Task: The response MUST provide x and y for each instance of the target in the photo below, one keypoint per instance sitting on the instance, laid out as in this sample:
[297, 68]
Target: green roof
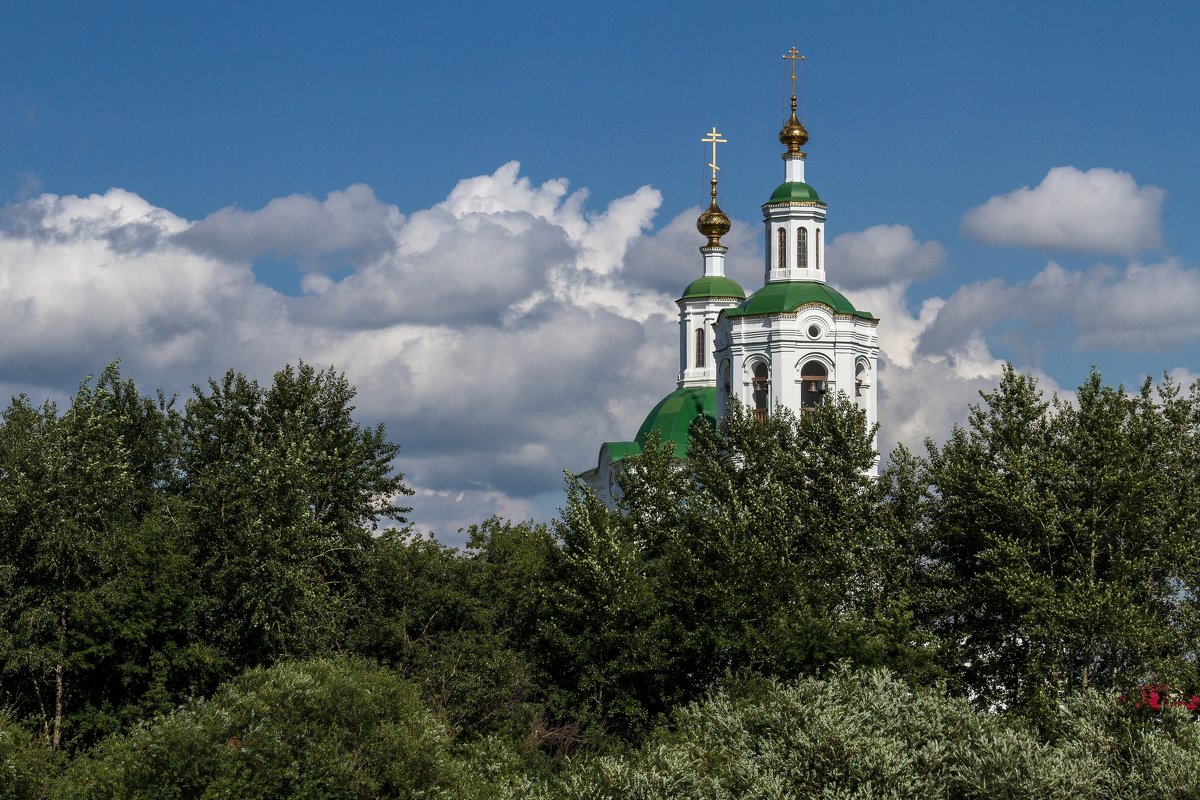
[785, 296]
[671, 418]
[618, 451]
[794, 192]
[675, 412]
[713, 286]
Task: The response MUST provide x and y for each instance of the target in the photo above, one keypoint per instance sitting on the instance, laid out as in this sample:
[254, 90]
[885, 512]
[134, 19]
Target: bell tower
[794, 216]
[705, 298]
[797, 340]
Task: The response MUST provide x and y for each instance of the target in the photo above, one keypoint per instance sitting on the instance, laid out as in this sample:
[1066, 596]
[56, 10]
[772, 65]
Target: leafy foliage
[224, 599]
[314, 729]
[145, 554]
[1065, 538]
[761, 553]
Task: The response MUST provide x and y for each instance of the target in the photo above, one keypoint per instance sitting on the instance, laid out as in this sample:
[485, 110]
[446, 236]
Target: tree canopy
[223, 596]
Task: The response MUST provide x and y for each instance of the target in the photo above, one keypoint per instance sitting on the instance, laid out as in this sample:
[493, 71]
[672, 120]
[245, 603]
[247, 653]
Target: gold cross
[712, 137]
[793, 55]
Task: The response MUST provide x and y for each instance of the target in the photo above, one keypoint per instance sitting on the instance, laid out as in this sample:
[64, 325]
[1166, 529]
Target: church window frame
[862, 379]
[759, 370]
[814, 383]
[817, 248]
[699, 360]
[781, 256]
[802, 247]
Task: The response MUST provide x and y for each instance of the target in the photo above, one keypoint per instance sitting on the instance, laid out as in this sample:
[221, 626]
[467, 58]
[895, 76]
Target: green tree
[67, 493]
[282, 490]
[97, 587]
[1063, 531]
[779, 560]
[459, 624]
[604, 638]
[762, 552]
[302, 729]
[145, 554]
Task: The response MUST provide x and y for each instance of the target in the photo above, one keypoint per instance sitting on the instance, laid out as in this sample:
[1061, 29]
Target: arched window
[813, 381]
[762, 390]
[860, 373]
[817, 248]
[782, 255]
[802, 248]
[700, 347]
[725, 377]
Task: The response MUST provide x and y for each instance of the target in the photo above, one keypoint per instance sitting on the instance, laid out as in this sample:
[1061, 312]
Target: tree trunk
[56, 740]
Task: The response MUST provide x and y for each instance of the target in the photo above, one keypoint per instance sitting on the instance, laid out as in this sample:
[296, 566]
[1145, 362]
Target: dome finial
[712, 222]
[794, 135]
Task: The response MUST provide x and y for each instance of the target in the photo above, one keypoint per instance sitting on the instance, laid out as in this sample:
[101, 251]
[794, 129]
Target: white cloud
[491, 334]
[350, 226]
[880, 255]
[75, 293]
[444, 513]
[1100, 210]
[1138, 308]
[501, 335]
[669, 259]
[922, 393]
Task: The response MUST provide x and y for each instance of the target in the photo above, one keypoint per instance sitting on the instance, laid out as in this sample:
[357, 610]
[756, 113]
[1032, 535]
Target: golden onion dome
[713, 223]
[794, 135]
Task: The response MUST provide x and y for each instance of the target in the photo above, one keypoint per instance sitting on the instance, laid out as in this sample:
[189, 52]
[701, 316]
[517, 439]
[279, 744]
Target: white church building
[790, 344]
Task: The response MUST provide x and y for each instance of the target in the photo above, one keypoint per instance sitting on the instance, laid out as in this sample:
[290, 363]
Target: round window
[814, 331]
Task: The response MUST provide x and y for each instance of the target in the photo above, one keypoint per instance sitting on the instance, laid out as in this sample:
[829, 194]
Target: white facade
[762, 360]
[793, 344]
[697, 324]
[796, 341]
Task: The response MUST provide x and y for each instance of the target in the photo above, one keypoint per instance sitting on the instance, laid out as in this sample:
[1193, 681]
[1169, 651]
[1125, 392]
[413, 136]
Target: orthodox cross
[793, 55]
[713, 138]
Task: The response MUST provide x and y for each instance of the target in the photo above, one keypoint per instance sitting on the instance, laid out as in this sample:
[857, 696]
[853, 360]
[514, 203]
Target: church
[791, 344]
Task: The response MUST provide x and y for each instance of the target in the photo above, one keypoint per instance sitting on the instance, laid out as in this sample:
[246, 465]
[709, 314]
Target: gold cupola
[712, 221]
[794, 135]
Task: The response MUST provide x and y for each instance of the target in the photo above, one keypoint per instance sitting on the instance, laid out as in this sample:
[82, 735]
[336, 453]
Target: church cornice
[798, 310]
[791, 204]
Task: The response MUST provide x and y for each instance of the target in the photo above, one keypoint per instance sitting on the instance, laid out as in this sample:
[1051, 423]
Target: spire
[712, 222]
[794, 135]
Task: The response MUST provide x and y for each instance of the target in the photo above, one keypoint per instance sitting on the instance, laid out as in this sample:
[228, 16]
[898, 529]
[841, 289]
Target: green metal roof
[713, 286]
[672, 416]
[618, 451]
[784, 296]
[794, 192]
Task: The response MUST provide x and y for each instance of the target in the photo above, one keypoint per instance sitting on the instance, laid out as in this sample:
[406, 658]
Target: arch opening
[814, 381]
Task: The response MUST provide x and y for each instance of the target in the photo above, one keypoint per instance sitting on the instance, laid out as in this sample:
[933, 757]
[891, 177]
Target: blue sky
[296, 181]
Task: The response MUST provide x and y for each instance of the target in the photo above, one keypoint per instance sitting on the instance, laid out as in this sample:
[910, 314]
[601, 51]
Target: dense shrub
[868, 735]
[308, 729]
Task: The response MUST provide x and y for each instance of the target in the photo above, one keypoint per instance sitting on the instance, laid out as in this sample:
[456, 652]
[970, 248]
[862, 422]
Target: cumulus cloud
[922, 392]
[669, 259]
[350, 226]
[501, 335]
[74, 294]
[490, 332]
[1138, 308]
[1100, 211]
[882, 254]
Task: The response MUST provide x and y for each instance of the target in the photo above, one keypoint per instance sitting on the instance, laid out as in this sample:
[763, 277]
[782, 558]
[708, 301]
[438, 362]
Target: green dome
[794, 192]
[782, 297]
[714, 286]
[675, 412]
